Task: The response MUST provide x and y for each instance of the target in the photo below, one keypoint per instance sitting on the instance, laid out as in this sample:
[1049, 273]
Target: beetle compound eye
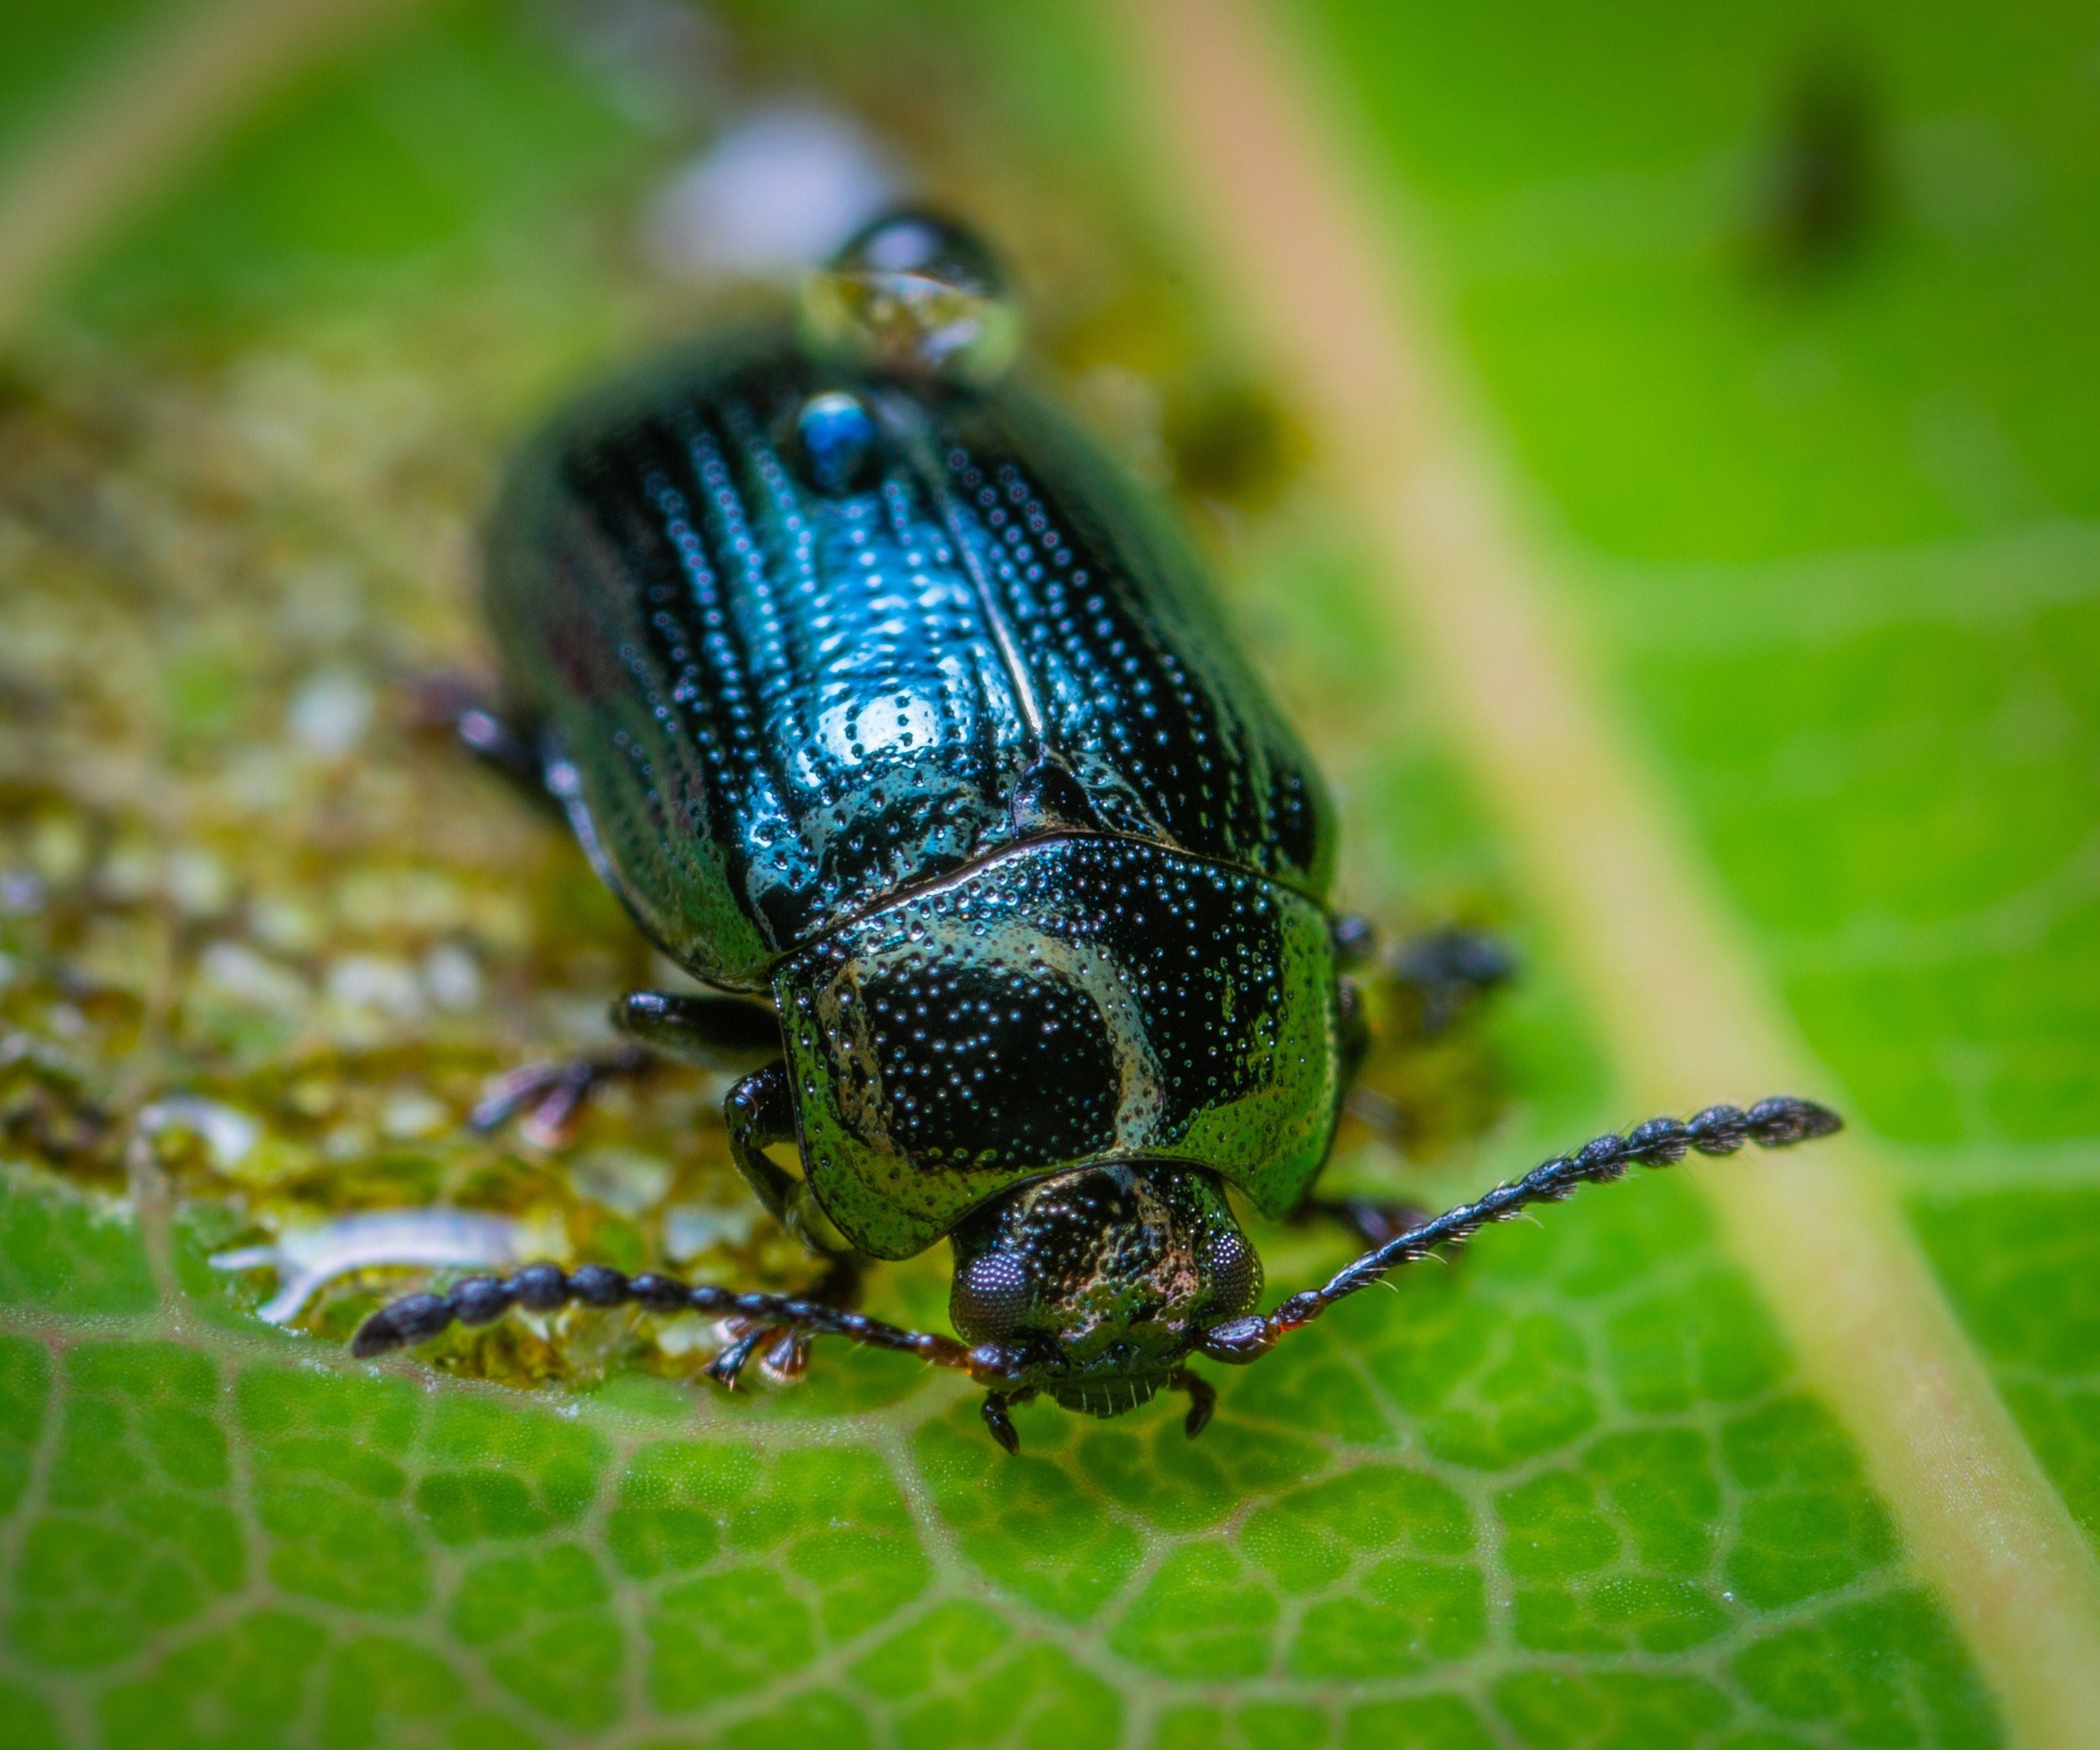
[915, 294]
[837, 437]
[989, 1298]
[1233, 1270]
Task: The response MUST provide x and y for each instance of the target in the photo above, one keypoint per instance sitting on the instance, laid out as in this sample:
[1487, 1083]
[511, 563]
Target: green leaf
[1568, 1490]
[1499, 1471]
[1838, 537]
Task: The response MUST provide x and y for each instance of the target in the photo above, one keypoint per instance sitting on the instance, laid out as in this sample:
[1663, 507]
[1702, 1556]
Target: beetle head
[1094, 1285]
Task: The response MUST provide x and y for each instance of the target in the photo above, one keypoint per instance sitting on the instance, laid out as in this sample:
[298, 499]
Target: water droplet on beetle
[916, 294]
[837, 437]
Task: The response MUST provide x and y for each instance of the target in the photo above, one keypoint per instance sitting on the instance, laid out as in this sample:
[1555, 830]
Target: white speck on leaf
[331, 713]
[779, 190]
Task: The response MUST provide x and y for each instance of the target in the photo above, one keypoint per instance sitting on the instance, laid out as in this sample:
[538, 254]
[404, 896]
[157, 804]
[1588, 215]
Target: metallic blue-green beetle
[896, 717]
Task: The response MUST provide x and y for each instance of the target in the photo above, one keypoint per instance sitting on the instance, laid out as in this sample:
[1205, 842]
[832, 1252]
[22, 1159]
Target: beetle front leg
[725, 1034]
[1202, 1399]
[781, 1351]
[760, 1113]
[997, 1419]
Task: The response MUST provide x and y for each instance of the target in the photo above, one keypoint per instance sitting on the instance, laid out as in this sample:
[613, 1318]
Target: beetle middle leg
[1419, 987]
[760, 1113]
[1406, 998]
[725, 1034]
[1437, 976]
[729, 1034]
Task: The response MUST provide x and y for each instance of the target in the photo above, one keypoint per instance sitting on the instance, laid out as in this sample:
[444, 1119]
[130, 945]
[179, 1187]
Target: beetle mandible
[896, 717]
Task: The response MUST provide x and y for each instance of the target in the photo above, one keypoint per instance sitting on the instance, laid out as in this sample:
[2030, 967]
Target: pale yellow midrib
[1685, 1015]
[144, 118]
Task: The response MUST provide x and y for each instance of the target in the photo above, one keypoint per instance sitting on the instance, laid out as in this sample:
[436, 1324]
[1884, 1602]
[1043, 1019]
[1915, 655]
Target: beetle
[896, 718]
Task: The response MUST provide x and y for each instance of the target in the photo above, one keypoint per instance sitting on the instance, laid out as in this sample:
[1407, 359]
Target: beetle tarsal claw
[1202, 1399]
[787, 1360]
[727, 1368]
[546, 1101]
[994, 1410]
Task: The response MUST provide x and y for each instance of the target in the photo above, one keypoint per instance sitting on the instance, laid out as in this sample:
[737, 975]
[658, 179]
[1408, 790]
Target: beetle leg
[728, 1367]
[499, 745]
[787, 1350]
[1445, 972]
[1425, 985]
[1356, 939]
[761, 1111]
[788, 1359]
[1352, 1030]
[994, 1409]
[1381, 1114]
[550, 1096]
[1202, 1399]
[719, 1033]
[455, 702]
[1438, 976]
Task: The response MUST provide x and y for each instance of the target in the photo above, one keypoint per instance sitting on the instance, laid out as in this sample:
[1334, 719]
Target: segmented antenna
[1777, 1123]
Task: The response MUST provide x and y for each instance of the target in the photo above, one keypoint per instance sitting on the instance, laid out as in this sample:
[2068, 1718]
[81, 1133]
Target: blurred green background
[1783, 322]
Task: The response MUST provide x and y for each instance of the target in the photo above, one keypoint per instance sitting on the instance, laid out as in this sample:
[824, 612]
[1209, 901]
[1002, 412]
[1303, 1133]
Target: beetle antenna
[1776, 1123]
[542, 1288]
